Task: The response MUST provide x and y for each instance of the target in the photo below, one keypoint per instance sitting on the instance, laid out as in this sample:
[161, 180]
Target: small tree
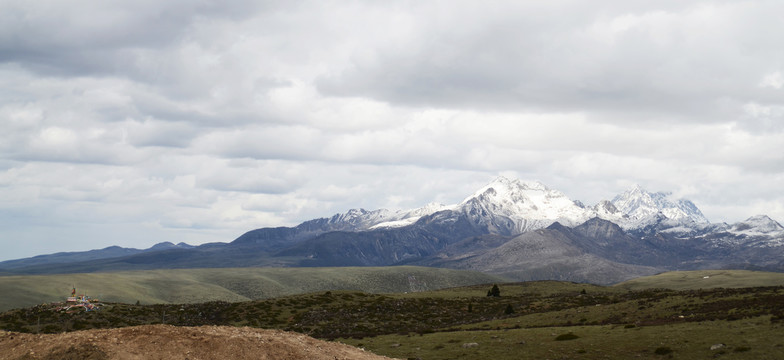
[509, 309]
[495, 291]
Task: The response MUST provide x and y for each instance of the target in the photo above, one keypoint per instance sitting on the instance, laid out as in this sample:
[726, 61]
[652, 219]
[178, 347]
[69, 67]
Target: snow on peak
[643, 207]
[408, 217]
[509, 205]
[361, 218]
[428, 209]
[528, 205]
[503, 187]
[758, 225]
[606, 210]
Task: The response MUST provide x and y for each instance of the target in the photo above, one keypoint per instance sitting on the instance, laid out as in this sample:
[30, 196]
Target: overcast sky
[134, 122]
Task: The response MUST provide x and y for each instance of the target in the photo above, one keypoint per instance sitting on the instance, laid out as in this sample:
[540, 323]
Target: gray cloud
[89, 37]
[680, 61]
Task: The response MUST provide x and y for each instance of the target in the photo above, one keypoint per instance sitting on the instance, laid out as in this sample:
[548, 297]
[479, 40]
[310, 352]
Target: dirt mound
[170, 342]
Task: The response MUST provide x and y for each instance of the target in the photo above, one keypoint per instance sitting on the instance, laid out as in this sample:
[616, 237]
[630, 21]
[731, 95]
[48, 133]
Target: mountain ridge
[536, 232]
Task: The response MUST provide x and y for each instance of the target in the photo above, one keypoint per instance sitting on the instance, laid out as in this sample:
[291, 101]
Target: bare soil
[171, 342]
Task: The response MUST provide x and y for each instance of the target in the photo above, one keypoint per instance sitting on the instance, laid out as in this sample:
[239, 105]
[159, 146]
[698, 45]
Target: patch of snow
[395, 223]
[383, 218]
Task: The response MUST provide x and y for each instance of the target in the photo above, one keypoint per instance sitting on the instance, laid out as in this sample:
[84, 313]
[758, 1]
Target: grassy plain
[179, 286]
[748, 339]
[705, 279]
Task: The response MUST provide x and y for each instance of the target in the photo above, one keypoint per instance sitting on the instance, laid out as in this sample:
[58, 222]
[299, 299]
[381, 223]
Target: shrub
[567, 336]
[662, 350]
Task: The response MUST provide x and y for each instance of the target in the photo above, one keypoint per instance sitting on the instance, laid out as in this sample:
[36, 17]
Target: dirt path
[170, 342]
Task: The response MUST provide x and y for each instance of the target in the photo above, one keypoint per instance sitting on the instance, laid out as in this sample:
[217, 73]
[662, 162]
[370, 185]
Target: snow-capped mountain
[512, 206]
[644, 209]
[408, 217]
[606, 210]
[759, 225]
[508, 205]
[506, 227]
[361, 219]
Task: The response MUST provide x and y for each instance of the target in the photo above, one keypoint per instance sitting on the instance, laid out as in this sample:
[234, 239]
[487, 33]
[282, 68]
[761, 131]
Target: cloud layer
[131, 123]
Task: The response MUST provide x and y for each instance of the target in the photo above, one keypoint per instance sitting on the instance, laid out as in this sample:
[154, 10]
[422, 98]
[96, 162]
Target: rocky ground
[170, 342]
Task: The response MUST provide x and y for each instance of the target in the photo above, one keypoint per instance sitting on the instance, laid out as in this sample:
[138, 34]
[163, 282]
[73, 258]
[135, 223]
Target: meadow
[185, 286]
[531, 320]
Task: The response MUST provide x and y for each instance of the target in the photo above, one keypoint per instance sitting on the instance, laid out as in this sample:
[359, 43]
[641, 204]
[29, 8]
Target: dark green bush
[567, 336]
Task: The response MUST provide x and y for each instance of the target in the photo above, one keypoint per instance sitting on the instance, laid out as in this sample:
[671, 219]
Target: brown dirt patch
[170, 342]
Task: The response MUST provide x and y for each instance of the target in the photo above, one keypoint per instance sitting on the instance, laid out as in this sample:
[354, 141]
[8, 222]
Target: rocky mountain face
[522, 230]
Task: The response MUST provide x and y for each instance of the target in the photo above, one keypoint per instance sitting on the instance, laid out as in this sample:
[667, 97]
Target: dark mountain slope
[548, 253]
[384, 246]
[607, 240]
[276, 239]
[81, 256]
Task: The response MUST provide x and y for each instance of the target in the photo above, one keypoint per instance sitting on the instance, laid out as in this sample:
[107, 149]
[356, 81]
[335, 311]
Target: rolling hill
[227, 284]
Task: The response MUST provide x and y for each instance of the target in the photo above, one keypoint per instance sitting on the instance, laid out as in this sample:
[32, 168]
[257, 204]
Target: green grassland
[748, 339]
[705, 279]
[226, 284]
[531, 320]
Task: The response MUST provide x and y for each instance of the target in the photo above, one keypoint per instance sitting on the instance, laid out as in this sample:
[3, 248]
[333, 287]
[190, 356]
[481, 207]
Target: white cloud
[773, 80]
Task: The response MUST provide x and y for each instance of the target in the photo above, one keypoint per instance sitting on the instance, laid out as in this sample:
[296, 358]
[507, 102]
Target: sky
[135, 122]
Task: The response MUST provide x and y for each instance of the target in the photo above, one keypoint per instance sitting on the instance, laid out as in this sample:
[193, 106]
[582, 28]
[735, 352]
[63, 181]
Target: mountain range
[520, 230]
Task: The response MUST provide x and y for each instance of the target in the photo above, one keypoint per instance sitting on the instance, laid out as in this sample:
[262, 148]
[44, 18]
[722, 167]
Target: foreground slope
[171, 342]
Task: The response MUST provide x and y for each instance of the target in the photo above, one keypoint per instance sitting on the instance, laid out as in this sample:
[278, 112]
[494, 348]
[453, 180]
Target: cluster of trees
[495, 291]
